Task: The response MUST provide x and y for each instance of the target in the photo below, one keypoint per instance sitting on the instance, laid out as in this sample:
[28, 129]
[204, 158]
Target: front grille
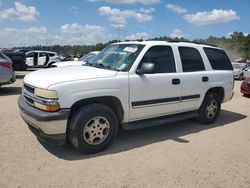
[28, 92]
[29, 88]
[30, 101]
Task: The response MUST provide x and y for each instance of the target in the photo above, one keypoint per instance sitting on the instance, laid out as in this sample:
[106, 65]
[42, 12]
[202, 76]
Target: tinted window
[42, 54]
[162, 57]
[31, 54]
[191, 59]
[51, 54]
[218, 59]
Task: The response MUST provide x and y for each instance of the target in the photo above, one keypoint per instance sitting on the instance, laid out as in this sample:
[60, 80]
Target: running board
[159, 120]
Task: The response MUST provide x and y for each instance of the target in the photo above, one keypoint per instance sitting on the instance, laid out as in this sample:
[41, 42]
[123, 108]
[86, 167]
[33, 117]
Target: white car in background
[246, 70]
[238, 70]
[241, 70]
[41, 58]
[79, 61]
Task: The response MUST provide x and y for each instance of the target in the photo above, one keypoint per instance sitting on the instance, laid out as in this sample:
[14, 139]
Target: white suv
[128, 84]
[41, 58]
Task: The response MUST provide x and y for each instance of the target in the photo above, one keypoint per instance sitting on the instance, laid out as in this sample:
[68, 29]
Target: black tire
[210, 108]
[85, 125]
[241, 77]
[50, 65]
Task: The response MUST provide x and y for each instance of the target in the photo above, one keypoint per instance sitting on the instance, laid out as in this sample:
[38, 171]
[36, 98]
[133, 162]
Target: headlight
[46, 100]
[48, 94]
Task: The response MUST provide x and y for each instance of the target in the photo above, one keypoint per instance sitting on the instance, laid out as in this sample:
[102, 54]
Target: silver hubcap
[96, 130]
[211, 109]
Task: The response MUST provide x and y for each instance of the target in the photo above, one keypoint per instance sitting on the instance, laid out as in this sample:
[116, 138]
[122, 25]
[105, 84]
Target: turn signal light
[48, 108]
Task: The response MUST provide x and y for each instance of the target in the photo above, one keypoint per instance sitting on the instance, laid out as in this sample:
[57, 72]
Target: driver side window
[162, 57]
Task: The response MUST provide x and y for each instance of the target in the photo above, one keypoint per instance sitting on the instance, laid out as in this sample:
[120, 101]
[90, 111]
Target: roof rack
[194, 42]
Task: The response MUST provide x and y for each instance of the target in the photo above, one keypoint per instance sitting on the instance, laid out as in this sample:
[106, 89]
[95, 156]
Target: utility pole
[46, 44]
[121, 34]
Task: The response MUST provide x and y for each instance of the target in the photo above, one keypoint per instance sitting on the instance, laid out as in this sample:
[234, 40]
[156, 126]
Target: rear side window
[218, 59]
[191, 59]
[42, 54]
[31, 54]
[51, 54]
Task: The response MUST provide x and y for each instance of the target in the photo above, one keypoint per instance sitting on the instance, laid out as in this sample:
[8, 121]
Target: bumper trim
[56, 139]
[49, 127]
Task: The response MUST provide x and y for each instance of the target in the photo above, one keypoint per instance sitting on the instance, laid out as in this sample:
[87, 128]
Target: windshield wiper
[87, 63]
[99, 65]
[103, 66]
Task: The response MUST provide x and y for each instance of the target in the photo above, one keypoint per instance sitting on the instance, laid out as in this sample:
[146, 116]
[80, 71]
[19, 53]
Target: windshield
[238, 66]
[87, 57]
[118, 57]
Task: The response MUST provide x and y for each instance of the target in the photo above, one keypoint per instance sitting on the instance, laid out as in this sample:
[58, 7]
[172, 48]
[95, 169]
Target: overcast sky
[40, 22]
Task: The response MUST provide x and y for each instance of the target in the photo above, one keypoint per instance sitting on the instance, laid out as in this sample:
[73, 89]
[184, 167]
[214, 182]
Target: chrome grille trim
[35, 98]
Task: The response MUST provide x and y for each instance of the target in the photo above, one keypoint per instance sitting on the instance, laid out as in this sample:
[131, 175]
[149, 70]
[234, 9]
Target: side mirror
[146, 68]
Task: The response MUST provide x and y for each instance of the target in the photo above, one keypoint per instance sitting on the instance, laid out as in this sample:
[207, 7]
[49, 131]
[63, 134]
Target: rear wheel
[210, 108]
[93, 128]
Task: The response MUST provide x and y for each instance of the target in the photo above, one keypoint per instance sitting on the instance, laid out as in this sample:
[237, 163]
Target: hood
[47, 77]
[67, 63]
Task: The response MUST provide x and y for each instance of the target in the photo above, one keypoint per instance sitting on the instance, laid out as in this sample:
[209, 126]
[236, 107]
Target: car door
[41, 58]
[157, 93]
[194, 78]
[29, 58]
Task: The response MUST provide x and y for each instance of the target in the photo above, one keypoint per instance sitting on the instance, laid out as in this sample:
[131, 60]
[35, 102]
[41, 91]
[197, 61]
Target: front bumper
[49, 127]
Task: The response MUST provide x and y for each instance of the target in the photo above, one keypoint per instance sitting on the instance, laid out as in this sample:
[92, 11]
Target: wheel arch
[217, 90]
[50, 63]
[112, 102]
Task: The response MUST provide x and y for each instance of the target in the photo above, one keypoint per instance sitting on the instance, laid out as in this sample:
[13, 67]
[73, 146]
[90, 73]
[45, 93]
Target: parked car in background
[238, 70]
[69, 58]
[246, 70]
[23, 50]
[240, 60]
[18, 60]
[6, 50]
[7, 76]
[80, 61]
[245, 87]
[41, 58]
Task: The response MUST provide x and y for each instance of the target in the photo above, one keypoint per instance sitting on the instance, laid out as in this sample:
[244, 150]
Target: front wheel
[210, 108]
[241, 77]
[93, 128]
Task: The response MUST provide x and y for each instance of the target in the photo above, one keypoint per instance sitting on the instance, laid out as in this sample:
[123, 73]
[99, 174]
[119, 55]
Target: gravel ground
[183, 154]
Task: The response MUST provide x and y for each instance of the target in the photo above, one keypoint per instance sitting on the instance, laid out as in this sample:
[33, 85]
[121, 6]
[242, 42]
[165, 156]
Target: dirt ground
[183, 154]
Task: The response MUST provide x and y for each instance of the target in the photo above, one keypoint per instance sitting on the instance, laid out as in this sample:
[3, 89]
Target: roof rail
[206, 44]
[203, 43]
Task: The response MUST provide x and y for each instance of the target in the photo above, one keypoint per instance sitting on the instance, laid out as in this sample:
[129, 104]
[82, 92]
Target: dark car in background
[18, 60]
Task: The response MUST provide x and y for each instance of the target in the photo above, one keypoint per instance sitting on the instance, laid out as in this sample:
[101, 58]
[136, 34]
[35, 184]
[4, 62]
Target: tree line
[235, 45]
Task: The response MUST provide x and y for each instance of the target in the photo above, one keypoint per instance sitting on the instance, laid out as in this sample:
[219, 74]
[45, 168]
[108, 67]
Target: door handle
[205, 79]
[176, 81]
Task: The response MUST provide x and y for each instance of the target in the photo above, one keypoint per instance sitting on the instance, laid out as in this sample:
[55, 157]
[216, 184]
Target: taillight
[5, 65]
